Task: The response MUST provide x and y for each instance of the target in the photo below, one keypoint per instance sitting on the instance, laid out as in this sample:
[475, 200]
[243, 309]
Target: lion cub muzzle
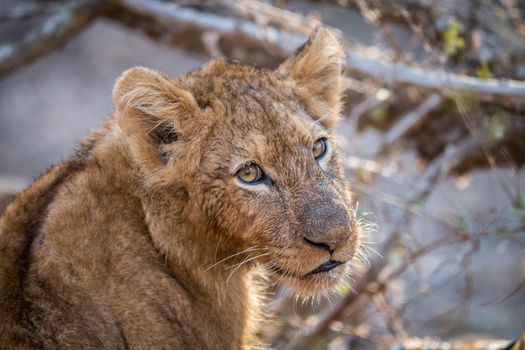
[325, 223]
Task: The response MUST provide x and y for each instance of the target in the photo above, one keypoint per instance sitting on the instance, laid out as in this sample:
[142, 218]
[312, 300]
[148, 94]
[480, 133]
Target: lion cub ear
[316, 72]
[152, 111]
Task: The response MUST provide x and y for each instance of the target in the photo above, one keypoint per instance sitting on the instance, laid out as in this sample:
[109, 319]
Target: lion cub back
[18, 225]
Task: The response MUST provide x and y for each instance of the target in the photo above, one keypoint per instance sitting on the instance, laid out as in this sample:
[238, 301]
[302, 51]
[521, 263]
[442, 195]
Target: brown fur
[145, 239]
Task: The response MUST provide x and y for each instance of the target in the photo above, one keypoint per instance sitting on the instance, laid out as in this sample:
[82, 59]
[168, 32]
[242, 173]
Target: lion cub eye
[319, 148]
[250, 174]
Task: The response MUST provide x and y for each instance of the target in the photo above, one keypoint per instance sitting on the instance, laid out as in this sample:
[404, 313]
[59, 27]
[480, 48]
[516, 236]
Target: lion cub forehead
[301, 122]
[256, 100]
[290, 132]
[292, 124]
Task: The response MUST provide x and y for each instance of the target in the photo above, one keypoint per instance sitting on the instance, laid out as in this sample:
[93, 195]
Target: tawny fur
[145, 238]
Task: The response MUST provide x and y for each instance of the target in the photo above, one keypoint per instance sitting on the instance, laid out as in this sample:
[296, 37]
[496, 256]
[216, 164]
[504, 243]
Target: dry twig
[52, 34]
[288, 37]
[410, 121]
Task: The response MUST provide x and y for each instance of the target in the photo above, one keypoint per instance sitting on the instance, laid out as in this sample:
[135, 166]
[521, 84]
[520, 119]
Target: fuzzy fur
[145, 239]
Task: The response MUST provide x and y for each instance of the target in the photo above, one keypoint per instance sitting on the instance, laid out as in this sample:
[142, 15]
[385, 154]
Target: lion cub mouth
[325, 267]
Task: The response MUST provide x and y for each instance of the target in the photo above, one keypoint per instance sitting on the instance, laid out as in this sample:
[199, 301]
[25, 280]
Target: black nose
[322, 242]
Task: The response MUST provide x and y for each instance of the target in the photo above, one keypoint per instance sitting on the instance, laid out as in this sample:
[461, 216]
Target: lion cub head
[240, 162]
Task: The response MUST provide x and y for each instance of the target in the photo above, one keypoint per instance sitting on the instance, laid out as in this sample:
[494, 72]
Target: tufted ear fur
[316, 73]
[152, 112]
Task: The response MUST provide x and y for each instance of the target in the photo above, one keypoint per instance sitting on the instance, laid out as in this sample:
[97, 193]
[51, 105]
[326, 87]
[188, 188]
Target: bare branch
[431, 78]
[291, 33]
[508, 295]
[53, 33]
[375, 99]
[412, 120]
[24, 10]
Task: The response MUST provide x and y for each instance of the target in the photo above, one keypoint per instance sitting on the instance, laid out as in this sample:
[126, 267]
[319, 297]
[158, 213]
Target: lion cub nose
[329, 241]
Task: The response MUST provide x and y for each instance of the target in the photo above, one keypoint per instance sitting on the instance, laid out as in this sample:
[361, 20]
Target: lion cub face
[253, 153]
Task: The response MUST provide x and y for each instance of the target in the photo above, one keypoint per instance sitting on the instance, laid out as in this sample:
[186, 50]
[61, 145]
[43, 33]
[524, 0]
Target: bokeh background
[432, 136]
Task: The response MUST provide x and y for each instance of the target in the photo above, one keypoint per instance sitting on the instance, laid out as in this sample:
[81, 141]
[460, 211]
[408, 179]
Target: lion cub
[150, 236]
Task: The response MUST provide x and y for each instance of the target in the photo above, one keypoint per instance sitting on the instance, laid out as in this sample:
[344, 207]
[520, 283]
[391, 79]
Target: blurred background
[433, 140]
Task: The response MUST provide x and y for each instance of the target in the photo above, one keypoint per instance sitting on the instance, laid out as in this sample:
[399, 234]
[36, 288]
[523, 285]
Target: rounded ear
[316, 71]
[152, 111]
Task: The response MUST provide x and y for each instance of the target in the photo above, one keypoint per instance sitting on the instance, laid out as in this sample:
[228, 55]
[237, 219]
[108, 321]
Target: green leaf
[483, 72]
[453, 41]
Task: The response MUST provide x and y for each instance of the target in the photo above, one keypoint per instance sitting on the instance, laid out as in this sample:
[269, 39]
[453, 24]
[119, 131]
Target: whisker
[244, 262]
[247, 260]
[251, 249]
[362, 257]
[368, 248]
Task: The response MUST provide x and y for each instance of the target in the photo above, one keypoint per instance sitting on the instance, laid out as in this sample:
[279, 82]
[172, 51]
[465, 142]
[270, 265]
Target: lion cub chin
[150, 235]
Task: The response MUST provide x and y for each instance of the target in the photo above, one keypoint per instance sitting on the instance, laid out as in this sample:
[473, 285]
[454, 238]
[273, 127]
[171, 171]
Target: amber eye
[250, 174]
[319, 148]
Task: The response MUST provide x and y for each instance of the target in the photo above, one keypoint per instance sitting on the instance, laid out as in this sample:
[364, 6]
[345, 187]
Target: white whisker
[251, 249]
[364, 246]
[247, 260]
[244, 262]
